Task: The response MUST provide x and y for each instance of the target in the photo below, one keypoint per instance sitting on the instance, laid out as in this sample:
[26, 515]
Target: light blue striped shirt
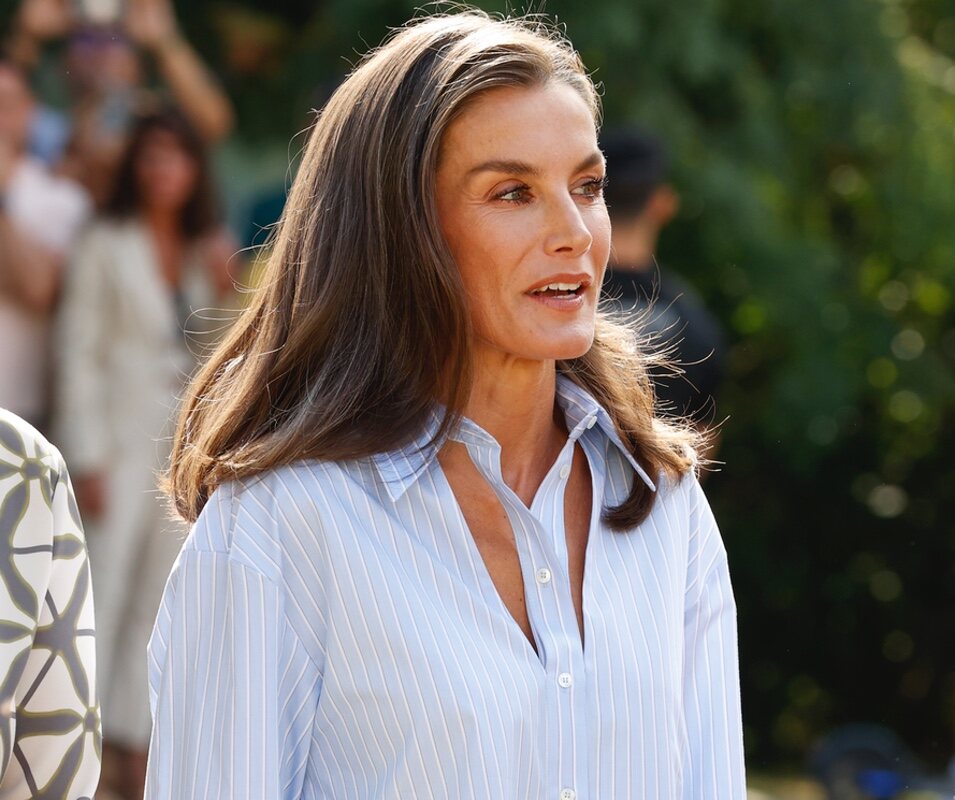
[330, 631]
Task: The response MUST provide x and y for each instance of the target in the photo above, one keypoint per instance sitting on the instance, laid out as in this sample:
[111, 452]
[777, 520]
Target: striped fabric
[330, 631]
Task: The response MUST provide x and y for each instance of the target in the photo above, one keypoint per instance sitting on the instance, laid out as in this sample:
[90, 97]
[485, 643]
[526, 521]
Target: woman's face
[16, 109]
[165, 172]
[520, 202]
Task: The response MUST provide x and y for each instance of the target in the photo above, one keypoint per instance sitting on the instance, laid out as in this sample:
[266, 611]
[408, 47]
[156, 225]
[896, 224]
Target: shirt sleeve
[232, 691]
[49, 716]
[713, 765]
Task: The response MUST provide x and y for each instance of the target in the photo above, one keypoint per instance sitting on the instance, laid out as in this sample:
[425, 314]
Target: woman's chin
[565, 348]
[571, 354]
[554, 345]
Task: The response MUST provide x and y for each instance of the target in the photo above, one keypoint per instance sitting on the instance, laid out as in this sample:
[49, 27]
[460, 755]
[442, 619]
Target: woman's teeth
[558, 287]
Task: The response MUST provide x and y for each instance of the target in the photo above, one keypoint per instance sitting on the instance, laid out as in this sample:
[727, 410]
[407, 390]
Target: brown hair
[361, 322]
[8, 62]
[200, 213]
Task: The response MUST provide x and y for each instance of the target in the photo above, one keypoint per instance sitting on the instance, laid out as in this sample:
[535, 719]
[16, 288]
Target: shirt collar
[583, 412]
[400, 468]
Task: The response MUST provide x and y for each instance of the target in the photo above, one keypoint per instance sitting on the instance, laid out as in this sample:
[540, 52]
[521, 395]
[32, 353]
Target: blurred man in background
[40, 216]
[641, 204]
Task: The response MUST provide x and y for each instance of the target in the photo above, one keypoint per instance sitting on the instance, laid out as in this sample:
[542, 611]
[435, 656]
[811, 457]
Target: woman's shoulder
[683, 504]
[679, 499]
[21, 442]
[34, 487]
[260, 519]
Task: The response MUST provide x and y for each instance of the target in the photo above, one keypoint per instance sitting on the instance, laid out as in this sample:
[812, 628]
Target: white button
[565, 679]
[591, 422]
[543, 575]
[567, 794]
[565, 471]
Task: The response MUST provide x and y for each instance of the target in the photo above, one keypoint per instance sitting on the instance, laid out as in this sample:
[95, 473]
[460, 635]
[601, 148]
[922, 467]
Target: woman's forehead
[533, 126]
[163, 137]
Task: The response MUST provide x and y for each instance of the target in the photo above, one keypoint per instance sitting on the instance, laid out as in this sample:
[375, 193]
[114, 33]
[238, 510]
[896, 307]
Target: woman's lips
[559, 302]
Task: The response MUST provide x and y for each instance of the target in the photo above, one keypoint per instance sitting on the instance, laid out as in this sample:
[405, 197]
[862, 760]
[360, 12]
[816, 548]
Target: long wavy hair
[200, 213]
[361, 321]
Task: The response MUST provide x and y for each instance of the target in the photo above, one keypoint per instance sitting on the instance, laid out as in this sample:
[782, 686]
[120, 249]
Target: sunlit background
[813, 147]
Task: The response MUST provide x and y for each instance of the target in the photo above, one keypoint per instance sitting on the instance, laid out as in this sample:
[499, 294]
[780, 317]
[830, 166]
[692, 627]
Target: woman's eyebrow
[504, 165]
[516, 167]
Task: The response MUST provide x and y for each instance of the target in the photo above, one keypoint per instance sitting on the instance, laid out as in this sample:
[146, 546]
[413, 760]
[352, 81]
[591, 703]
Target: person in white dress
[145, 285]
[49, 714]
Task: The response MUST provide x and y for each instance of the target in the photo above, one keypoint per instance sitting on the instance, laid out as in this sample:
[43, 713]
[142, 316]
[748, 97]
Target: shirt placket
[542, 548]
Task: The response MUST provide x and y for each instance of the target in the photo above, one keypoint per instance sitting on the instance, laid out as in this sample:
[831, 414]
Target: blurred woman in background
[157, 256]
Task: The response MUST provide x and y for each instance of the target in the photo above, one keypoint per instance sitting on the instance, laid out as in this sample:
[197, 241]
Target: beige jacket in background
[122, 363]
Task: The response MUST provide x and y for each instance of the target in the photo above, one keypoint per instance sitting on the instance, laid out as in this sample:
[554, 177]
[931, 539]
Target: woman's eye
[517, 194]
[593, 188]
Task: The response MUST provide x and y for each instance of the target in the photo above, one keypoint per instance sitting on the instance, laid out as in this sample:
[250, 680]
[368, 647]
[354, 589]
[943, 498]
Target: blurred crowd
[117, 272]
[111, 247]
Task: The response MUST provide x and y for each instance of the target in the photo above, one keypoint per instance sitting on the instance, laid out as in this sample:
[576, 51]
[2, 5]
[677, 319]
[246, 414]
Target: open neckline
[489, 589]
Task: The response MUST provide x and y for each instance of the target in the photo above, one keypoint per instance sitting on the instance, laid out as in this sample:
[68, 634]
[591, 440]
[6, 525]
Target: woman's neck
[163, 222]
[513, 400]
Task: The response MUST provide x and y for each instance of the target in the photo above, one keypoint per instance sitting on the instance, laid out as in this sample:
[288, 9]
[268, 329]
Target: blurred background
[809, 153]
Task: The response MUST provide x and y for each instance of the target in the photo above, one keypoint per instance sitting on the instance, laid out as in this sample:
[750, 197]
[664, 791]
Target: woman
[135, 283]
[406, 453]
[49, 712]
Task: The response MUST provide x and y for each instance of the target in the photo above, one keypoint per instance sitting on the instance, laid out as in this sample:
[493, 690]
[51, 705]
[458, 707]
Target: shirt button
[567, 794]
[591, 422]
[565, 679]
[543, 575]
[565, 471]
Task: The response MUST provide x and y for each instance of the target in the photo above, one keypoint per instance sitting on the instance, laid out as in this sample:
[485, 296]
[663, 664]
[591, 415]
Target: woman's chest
[416, 623]
[150, 306]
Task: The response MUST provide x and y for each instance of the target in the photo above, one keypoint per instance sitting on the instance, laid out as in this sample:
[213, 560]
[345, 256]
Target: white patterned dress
[50, 737]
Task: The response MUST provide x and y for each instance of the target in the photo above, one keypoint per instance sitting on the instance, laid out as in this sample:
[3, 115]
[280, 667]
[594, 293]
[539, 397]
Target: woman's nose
[567, 233]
